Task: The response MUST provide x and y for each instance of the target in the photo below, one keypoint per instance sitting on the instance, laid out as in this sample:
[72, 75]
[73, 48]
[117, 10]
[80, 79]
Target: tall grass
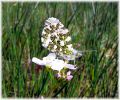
[94, 30]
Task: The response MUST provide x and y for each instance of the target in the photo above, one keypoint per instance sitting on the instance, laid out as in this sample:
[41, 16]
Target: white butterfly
[56, 38]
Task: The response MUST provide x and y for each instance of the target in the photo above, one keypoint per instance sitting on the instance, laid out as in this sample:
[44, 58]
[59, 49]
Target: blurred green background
[94, 30]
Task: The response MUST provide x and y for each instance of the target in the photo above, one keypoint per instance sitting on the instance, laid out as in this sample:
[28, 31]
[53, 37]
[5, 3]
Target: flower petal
[57, 64]
[68, 73]
[69, 77]
[38, 61]
[70, 66]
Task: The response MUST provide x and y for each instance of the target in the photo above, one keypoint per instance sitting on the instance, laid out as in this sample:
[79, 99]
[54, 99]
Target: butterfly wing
[56, 38]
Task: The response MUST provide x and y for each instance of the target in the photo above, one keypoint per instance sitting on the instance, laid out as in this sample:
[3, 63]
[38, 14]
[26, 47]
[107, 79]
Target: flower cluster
[55, 64]
[56, 38]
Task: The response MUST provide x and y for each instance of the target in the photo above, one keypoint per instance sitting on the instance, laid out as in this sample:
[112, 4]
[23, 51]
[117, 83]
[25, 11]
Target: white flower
[54, 63]
[68, 38]
[62, 43]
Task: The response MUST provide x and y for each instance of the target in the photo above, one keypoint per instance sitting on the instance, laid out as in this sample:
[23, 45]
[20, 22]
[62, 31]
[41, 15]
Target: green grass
[93, 26]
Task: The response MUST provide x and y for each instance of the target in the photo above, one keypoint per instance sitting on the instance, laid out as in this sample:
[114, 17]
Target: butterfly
[56, 38]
